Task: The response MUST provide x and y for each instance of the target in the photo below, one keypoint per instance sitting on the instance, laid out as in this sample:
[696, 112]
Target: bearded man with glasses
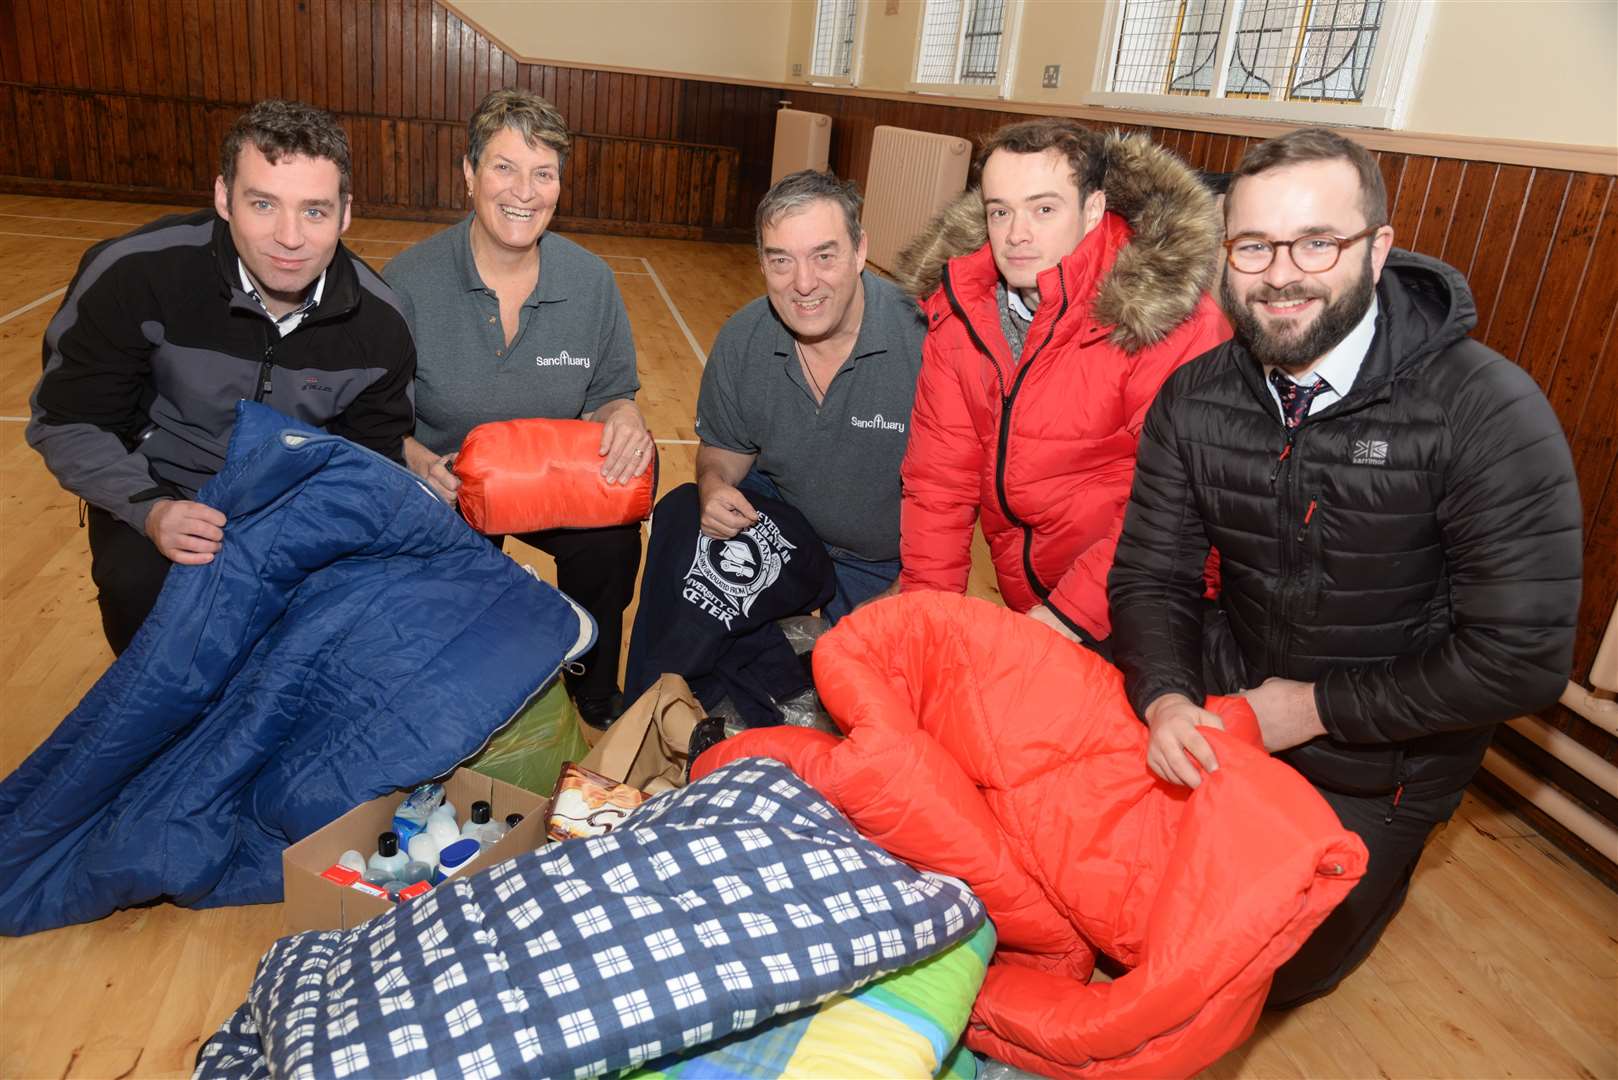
[1397, 518]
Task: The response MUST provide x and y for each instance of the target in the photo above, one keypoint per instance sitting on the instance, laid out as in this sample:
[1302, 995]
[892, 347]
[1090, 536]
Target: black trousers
[1394, 837]
[128, 572]
[596, 567]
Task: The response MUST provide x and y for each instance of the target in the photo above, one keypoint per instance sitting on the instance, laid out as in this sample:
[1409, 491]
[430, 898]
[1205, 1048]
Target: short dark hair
[529, 115]
[1318, 144]
[1085, 150]
[290, 128]
[795, 191]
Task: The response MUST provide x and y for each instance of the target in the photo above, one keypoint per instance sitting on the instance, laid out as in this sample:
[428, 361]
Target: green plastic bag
[531, 750]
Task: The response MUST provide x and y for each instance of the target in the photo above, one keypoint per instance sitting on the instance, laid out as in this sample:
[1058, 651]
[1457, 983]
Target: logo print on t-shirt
[562, 359]
[877, 423]
[727, 576]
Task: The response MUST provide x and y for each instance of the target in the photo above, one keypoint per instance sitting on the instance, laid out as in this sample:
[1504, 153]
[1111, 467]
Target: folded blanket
[714, 908]
[905, 1025]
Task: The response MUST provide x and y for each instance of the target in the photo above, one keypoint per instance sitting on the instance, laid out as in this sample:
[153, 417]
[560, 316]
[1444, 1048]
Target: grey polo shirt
[572, 354]
[838, 464]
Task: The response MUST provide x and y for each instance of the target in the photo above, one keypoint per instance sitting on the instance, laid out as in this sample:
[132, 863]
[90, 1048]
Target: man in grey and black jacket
[1397, 519]
[162, 331]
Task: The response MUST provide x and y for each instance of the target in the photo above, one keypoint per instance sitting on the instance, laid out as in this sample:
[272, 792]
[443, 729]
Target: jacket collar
[1146, 278]
[1423, 307]
[340, 295]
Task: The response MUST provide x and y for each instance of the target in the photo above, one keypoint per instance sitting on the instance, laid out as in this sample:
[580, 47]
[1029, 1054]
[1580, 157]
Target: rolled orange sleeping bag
[521, 476]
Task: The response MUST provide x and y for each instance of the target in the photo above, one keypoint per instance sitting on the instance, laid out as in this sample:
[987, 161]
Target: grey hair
[528, 114]
[796, 191]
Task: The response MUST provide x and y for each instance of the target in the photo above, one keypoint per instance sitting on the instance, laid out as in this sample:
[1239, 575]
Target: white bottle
[477, 821]
[442, 828]
[388, 858]
[423, 849]
[353, 860]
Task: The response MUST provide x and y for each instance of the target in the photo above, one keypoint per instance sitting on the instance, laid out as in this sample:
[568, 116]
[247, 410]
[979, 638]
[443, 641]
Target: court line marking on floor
[80, 220]
[26, 308]
[54, 236]
[696, 350]
[14, 419]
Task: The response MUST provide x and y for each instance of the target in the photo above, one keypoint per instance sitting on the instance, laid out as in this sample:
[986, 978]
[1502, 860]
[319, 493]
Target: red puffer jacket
[1044, 444]
[981, 744]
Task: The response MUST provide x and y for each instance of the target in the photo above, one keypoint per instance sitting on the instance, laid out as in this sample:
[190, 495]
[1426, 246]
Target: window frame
[856, 49]
[1010, 32]
[1400, 41]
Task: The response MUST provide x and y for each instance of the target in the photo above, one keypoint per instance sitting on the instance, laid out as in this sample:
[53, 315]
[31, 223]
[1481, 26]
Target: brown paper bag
[646, 746]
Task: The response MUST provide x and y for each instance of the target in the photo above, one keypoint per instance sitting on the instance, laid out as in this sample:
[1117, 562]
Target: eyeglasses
[1313, 254]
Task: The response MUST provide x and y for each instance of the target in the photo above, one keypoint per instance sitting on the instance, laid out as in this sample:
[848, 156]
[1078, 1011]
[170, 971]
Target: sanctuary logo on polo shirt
[562, 359]
[877, 423]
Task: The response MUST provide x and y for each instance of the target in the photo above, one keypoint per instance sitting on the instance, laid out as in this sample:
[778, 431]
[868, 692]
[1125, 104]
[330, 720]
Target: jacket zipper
[264, 368]
[1007, 400]
[1398, 786]
[1277, 639]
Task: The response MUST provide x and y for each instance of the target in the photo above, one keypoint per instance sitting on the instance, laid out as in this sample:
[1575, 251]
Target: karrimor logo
[877, 423]
[1370, 452]
[562, 359]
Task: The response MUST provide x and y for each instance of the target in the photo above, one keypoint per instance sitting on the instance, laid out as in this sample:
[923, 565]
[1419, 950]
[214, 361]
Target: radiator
[913, 174]
[802, 141]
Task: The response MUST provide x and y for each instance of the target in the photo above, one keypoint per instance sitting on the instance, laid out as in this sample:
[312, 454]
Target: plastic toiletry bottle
[423, 849]
[455, 858]
[512, 821]
[415, 871]
[478, 817]
[411, 816]
[388, 858]
[353, 860]
[380, 878]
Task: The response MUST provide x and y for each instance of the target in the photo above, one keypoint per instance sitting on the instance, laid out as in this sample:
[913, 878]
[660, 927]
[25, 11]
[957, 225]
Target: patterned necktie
[1295, 399]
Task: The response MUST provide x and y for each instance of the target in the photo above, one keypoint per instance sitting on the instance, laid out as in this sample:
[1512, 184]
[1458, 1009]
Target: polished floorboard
[1504, 962]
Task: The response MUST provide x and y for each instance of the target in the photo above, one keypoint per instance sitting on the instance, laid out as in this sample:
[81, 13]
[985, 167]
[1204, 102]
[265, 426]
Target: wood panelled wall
[131, 98]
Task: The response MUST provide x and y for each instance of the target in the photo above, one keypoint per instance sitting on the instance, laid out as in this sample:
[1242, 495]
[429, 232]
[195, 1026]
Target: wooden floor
[1504, 963]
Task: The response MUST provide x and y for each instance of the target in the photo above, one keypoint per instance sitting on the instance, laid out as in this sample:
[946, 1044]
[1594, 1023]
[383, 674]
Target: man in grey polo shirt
[807, 393]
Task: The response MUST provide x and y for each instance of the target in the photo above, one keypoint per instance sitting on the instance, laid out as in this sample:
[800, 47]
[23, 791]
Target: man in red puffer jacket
[1059, 295]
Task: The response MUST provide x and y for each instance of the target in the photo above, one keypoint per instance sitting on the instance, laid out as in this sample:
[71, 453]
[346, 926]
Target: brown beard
[1294, 354]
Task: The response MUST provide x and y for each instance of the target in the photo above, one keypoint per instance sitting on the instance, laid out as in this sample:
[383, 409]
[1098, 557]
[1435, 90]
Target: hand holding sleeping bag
[522, 476]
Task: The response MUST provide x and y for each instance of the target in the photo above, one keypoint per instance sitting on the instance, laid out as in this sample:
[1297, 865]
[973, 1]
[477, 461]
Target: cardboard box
[315, 903]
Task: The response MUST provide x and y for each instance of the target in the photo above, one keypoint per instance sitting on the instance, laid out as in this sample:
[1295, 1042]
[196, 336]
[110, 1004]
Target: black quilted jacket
[1413, 550]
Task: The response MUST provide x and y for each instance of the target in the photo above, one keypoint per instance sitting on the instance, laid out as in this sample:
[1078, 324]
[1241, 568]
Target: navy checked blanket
[712, 909]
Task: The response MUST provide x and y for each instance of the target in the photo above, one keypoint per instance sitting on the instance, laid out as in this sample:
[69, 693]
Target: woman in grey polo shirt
[513, 321]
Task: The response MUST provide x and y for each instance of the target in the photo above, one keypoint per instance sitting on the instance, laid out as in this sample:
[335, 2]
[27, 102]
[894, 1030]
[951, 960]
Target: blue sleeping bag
[352, 637]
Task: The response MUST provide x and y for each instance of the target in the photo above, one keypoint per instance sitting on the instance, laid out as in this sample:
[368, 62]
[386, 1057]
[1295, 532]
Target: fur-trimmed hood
[1157, 280]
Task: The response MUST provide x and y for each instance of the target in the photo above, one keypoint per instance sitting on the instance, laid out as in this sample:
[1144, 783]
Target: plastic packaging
[803, 631]
[455, 858]
[388, 858]
[353, 860]
[411, 816]
[531, 750]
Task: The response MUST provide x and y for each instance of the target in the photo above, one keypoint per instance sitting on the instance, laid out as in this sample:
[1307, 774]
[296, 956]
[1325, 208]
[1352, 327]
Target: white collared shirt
[288, 322]
[1340, 367]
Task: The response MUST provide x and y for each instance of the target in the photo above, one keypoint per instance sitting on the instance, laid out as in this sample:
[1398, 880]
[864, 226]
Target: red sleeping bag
[521, 476]
[983, 745]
